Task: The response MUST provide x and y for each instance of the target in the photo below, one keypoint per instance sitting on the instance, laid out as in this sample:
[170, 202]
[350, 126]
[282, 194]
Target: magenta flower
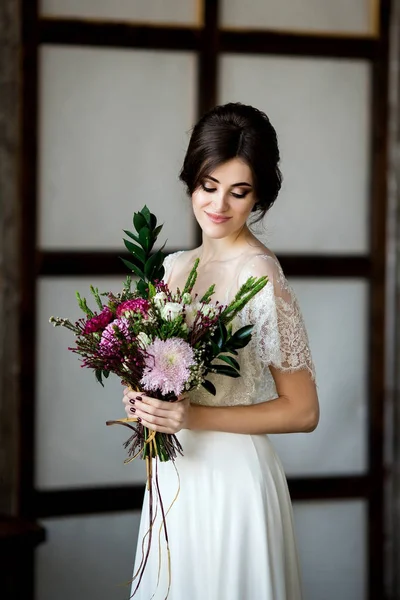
[111, 341]
[139, 305]
[167, 368]
[99, 322]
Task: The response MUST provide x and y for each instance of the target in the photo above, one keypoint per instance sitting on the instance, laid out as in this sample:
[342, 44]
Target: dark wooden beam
[208, 58]
[128, 498]
[73, 32]
[108, 263]
[379, 162]
[288, 44]
[209, 40]
[28, 186]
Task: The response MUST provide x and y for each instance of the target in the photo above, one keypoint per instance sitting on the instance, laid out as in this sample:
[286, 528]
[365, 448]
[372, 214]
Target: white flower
[171, 310]
[143, 339]
[159, 299]
[208, 310]
[187, 298]
[191, 313]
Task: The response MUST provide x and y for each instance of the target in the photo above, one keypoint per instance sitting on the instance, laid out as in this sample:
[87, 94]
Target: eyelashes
[212, 190]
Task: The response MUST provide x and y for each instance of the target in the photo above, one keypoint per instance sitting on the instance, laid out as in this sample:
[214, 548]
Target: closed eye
[240, 195]
[209, 190]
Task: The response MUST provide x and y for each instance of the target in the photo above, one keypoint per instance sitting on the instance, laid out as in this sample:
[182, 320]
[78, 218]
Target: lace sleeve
[279, 336]
[168, 264]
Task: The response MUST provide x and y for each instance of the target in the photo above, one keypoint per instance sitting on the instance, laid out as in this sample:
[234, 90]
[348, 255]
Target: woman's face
[224, 199]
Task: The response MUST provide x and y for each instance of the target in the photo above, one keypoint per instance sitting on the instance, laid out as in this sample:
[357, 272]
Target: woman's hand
[158, 415]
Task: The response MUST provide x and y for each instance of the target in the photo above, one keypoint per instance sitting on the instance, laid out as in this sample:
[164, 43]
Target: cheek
[200, 199]
[246, 208]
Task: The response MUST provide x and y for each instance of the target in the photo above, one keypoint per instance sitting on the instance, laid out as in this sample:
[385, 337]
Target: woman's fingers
[159, 415]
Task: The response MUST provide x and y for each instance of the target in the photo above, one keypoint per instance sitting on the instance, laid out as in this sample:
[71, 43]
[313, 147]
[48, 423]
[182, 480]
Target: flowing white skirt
[230, 530]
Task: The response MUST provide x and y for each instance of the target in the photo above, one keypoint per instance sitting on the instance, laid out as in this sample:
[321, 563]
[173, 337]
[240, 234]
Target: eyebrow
[239, 184]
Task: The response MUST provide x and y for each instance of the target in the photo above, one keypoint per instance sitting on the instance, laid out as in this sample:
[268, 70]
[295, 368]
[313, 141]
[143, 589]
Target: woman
[230, 530]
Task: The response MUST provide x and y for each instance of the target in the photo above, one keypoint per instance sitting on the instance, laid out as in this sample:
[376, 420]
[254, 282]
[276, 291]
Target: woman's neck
[226, 248]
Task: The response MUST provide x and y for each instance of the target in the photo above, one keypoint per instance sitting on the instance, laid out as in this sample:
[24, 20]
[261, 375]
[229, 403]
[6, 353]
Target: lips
[217, 218]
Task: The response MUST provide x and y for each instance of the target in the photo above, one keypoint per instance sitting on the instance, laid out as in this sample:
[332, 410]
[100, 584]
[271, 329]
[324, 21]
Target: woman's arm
[294, 410]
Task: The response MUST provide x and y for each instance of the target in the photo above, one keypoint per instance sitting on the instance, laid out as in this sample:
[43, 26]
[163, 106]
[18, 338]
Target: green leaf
[106, 374]
[139, 221]
[242, 337]
[223, 370]
[133, 268]
[98, 373]
[230, 361]
[147, 215]
[145, 239]
[132, 236]
[157, 231]
[223, 332]
[153, 263]
[209, 387]
[136, 251]
[237, 344]
[152, 290]
[142, 288]
[153, 222]
[243, 332]
[215, 348]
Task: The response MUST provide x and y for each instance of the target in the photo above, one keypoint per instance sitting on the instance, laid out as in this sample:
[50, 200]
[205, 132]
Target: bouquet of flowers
[159, 341]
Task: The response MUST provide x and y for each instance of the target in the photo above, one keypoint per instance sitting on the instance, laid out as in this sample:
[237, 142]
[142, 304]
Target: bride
[231, 530]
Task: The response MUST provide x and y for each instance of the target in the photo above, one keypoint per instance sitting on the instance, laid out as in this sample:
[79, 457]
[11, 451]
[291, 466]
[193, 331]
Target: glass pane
[179, 12]
[74, 448]
[332, 540]
[335, 313]
[113, 133]
[340, 16]
[87, 557]
[320, 109]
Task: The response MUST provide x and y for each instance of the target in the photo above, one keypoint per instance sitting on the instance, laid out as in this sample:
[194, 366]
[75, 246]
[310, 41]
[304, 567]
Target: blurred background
[97, 99]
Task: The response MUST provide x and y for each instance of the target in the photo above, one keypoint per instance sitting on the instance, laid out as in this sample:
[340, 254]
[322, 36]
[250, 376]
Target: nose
[220, 201]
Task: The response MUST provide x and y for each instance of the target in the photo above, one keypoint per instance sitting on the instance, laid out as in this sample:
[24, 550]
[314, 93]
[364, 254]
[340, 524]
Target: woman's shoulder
[261, 261]
[180, 259]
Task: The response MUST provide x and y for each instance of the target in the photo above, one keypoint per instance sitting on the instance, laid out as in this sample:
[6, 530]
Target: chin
[215, 232]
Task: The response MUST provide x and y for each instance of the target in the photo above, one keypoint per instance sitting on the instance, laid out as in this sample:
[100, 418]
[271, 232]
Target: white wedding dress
[230, 530]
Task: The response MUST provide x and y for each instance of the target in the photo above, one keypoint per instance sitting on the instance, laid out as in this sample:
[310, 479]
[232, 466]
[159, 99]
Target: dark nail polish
[132, 401]
[139, 420]
[132, 410]
[138, 397]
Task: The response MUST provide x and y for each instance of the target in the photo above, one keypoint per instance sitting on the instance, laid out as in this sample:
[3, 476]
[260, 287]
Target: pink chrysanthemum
[137, 305]
[110, 342]
[99, 322]
[167, 368]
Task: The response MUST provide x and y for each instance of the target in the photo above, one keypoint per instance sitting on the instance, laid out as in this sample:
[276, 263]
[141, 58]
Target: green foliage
[191, 280]
[83, 305]
[95, 292]
[245, 293]
[208, 294]
[209, 387]
[145, 264]
[174, 328]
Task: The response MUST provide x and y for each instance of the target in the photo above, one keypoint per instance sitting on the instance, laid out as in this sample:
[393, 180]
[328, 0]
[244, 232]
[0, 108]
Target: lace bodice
[279, 338]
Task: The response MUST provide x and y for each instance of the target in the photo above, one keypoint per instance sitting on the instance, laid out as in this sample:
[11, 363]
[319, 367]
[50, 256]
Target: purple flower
[138, 305]
[111, 341]
[167, 366]
[99, 322]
